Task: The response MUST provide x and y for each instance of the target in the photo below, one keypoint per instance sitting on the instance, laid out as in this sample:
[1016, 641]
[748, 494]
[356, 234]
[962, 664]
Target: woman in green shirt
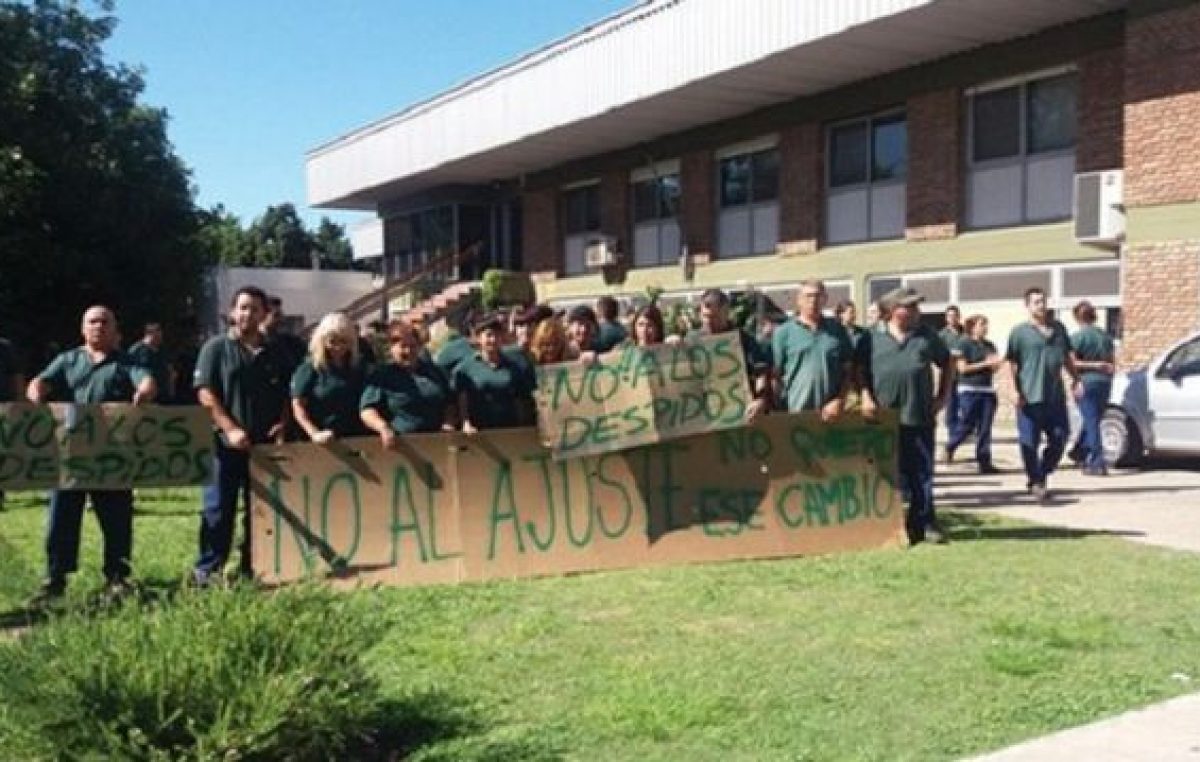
[978, 360]
[648, 327]
[326, 387]
[492, 391]
[1094, 356]
[408, 395]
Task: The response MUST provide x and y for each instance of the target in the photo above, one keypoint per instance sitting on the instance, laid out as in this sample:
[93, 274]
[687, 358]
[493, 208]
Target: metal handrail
[382, 296]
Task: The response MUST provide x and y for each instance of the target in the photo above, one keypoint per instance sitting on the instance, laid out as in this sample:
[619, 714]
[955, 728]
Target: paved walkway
[1158, 506]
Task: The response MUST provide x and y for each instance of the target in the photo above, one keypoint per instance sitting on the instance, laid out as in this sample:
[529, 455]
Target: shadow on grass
[96, 604]
[968, 528]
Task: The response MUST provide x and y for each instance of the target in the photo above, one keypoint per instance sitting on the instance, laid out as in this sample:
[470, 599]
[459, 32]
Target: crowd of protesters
[264, 385]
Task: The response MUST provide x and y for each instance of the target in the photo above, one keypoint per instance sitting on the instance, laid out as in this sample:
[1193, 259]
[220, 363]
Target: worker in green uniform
[148, 352]
[242, 380]
[95, 372]
[1094, 357]
[951, 334]
[813, 356]
[327, 387]
[492, 390]
[903, 354]
[408, 394]
[610, 332]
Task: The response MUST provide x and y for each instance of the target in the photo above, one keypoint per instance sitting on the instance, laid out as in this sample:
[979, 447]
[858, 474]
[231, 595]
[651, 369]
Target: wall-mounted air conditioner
[600, 252]
[1099, 207]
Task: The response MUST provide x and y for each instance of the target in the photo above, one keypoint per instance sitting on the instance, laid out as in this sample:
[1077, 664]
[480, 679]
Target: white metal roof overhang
[658, 68]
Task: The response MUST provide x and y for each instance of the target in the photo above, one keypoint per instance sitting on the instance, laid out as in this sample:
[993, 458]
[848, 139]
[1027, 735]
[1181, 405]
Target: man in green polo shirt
[149, 354]
[951, 335]
[714, 320]
[813, 356]
[243, 382]
[1038, 353]
[903, 355]
[1094, 357]
[89, 374]
[610, 332]
[12, 381]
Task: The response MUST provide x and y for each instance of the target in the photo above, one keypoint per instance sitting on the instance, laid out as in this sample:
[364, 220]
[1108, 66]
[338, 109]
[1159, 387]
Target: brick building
[933, 143]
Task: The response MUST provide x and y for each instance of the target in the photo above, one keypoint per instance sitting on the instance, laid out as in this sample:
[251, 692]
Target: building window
[748, 195]
[867, 170]
[581, 213]
[1021, 151]
[655, 219]
[411, 240]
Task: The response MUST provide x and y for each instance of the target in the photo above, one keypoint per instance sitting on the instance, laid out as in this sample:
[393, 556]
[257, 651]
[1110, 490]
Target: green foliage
[502, 288]
[277, 238]
[218, 675]
[94, 202]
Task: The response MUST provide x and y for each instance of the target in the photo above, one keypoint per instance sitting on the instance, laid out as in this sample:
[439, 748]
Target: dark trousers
[1034, 421]
[916, 478]
[953, 412]
[231, 481]
[114, 512]
[977, 411]
[1091, 409]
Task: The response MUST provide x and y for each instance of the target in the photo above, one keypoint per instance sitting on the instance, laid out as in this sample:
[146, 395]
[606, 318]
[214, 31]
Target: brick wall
[697, 206]
[1162, 108]
[1161, 295]
[541, 243]
[935, 165]
[801, 184]
[1101, 111]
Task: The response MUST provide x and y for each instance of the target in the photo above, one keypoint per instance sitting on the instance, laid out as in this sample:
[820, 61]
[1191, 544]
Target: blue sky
[251, 85]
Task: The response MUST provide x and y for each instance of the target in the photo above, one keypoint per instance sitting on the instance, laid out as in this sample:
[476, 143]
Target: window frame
[666, 214]
[747, 150]
[1023, 157]
[869, 120]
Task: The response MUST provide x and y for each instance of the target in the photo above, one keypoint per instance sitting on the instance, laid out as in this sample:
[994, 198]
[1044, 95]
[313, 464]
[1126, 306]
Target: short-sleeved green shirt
[524, 361]
[9, 369]
[1039, 358]
[73, 377]
[452, 353]
[250, 383]
[902, 372]
[973, 351]
[411, 400]
[496, 394]
[156, 361]
[610, 335]
[1093, 345]
[811, 363]
[331, 397]
[951, 338]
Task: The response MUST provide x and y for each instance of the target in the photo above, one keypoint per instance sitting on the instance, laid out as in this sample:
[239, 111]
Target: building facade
[942, 144]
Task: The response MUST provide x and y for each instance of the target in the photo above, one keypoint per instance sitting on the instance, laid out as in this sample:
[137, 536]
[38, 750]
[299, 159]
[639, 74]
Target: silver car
[1155, 409]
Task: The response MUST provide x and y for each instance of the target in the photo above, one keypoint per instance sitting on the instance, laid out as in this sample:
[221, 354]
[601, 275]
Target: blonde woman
[550, 344]
[326, 388]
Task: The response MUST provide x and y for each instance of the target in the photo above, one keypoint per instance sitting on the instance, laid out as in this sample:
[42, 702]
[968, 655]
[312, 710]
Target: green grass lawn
[1010, 632]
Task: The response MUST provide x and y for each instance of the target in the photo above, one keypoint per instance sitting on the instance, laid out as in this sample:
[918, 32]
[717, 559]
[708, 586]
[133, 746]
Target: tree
[330, 241]
[279, 239]
[95, 206]
[223, 239]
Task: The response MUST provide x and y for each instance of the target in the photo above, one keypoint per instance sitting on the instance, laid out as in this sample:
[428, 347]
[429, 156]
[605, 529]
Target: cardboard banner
[448, 508]
[108, 446]
[637, 396]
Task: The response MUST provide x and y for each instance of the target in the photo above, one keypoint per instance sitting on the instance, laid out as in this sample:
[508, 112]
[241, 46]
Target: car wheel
[1121, 440]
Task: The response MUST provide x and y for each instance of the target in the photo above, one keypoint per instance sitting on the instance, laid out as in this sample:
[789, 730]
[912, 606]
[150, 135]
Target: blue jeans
[1091, 409]
[114, 512]
[1034, 421]
[231, 480]
[916, 478]
[953, 413]
[977, 410]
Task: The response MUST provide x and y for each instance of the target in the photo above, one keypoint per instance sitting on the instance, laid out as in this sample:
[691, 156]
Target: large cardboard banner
[636, 396]
[108, 446]
[449, 508]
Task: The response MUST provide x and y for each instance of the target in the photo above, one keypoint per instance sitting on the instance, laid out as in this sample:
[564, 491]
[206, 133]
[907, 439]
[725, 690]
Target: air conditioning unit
[600, 252]
[1099, 207]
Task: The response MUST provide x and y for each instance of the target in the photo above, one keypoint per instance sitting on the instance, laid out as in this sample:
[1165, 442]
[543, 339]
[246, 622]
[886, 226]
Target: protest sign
[450, 508]
[638, 396]
[106, 446]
